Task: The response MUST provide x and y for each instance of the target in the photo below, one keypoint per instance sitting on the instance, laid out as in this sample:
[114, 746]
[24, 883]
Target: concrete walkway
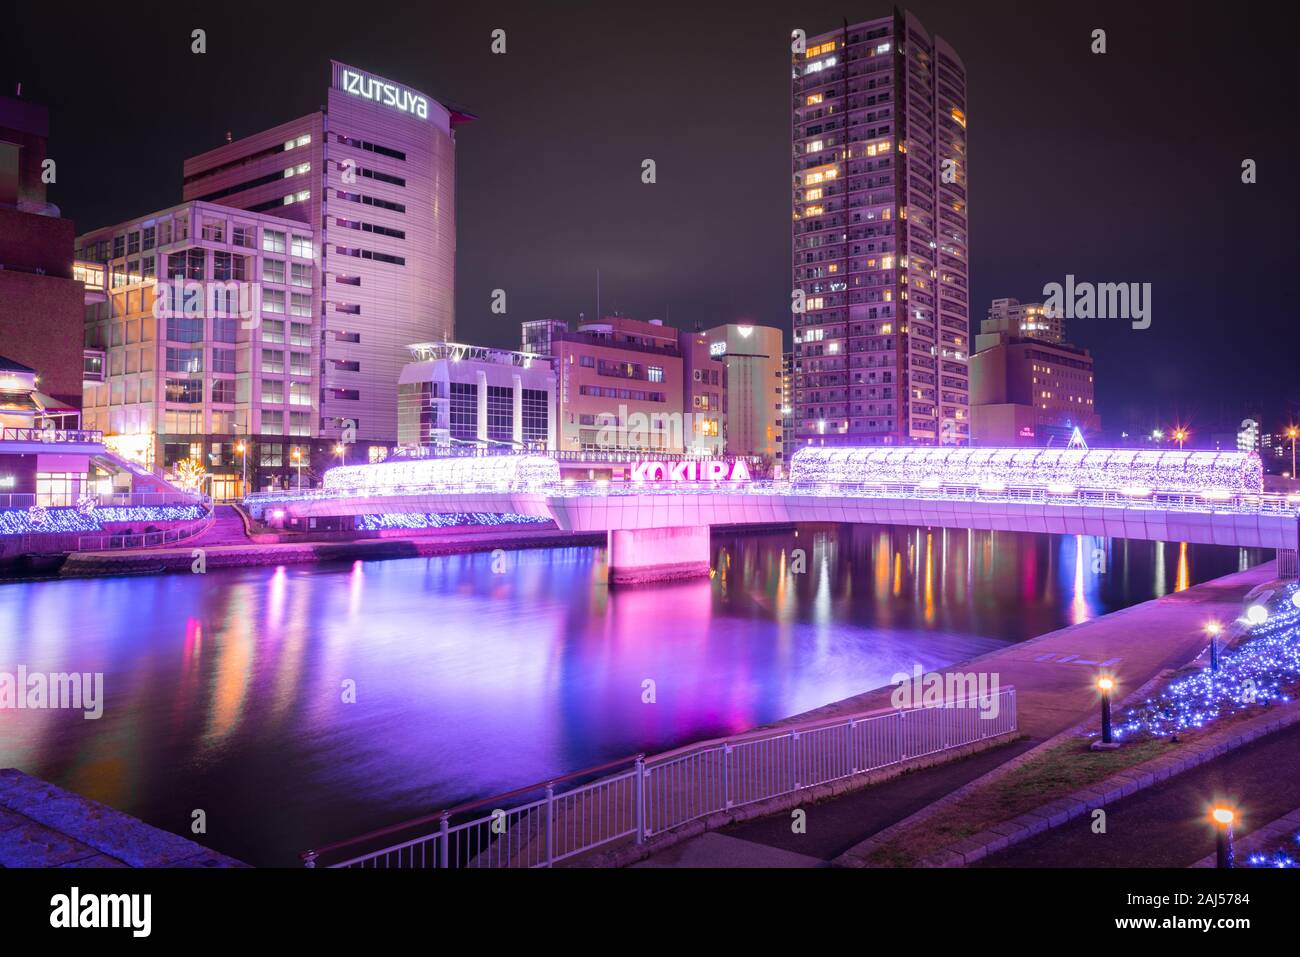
[1053, 676]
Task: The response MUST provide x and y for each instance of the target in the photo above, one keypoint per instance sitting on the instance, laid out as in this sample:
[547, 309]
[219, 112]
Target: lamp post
[242, 449]
[1212, 629]
[1223, 818]
[341, 451]
[1291, 434]
[296, 455]
[1180, 434]
[1106, 685]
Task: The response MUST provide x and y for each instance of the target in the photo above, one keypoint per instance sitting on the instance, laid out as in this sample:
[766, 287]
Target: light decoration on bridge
[1256, 673]
[506, 473]
[416, 520]
[1134, 472]
[64, 521]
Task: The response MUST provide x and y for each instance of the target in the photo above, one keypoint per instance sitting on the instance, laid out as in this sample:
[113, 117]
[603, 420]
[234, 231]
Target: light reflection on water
[226, 691]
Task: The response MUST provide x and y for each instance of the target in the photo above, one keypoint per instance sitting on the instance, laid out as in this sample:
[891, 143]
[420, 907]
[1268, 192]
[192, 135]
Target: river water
[299, 705]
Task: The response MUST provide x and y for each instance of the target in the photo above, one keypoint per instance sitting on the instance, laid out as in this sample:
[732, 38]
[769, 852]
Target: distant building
[753, 359]
[1023, 320]
[372, 177]
[211, 345]
[879, 237]
[41, 297]
[1028, 389]
[624, 385]
[453, 395]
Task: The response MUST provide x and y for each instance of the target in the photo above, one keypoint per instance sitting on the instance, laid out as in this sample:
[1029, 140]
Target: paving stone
[31, 845]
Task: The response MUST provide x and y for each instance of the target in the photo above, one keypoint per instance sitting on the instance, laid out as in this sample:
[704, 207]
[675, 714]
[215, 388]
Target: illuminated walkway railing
[1269, 503]
[544, 824]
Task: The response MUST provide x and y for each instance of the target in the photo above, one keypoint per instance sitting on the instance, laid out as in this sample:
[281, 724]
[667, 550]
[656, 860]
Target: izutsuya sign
[372, 88]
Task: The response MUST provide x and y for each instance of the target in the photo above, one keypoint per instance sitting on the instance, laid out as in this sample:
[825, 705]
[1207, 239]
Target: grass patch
[1057, 772]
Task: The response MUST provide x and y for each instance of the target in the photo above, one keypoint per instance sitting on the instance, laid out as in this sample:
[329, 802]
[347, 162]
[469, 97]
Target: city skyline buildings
[1042, 214]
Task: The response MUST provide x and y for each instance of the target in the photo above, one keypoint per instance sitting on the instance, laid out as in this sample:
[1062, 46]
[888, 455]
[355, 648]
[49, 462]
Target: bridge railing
[170, 536]
[1263, 503]
[55, 436]
[541, 825]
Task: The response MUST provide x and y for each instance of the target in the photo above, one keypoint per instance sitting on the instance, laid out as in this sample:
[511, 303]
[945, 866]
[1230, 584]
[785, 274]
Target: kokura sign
[692, 470]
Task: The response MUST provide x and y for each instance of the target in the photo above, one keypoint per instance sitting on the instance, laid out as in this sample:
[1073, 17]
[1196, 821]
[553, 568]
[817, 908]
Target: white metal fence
[540, 825]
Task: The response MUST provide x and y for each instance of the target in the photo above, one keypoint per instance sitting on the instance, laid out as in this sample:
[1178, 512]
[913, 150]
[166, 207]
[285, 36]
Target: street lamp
[243, 455]
[1105, 685]
[1180, 434]
[296, 455]
[1223, 818]
[341, 451]
[1157, 435]
[1291, 434]
[1212, 629]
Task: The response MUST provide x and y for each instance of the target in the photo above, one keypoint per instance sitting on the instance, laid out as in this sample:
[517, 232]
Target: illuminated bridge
[658, 527]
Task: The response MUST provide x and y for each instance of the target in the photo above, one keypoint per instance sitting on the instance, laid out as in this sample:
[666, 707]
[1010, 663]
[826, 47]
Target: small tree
[190, 474]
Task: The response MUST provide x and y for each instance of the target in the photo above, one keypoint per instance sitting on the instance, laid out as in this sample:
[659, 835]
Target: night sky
[1122, 167]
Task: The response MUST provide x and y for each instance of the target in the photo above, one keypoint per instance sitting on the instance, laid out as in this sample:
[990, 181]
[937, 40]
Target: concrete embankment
[45, 826]
[448, 542]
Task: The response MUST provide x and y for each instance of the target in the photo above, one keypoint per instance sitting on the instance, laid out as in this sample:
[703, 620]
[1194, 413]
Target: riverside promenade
[1053, 676]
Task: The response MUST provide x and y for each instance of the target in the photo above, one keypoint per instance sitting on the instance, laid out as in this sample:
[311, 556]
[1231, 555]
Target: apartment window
[184, 360]
[300, 304]
[299, 334]
[214, 230]
[225, 330]
[655, 374]
[273, 391]
[223, 360]
[272, 300]
[273, 361]
[300, 363]
[223, 390]
[300, 275]
[185, 391]
[119, 247]
[300, 424]
[300, 393]
[150, 236]
[273, 331]
[132, 243]
[301, 247]
[147, 267]
[183, 329]
[221, 265]
[243, 236]
[273, 270]
[272, 453]
[463, 410]
[274, 241]
[272, 422]
[536, 410]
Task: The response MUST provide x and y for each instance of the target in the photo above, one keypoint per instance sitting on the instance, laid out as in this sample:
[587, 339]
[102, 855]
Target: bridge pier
[641, 555]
